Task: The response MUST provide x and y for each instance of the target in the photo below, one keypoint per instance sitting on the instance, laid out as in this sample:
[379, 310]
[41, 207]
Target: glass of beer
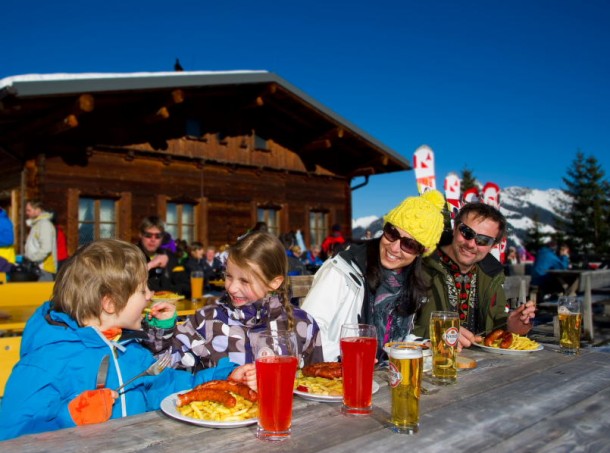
[569, 311]
[276, 359]
[196, 285]
[406, 368]
[358, 352]
[444, 333]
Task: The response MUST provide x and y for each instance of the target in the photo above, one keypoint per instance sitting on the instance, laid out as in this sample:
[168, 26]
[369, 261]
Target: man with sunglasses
[378, 281]
[164, 271]
[466, 278]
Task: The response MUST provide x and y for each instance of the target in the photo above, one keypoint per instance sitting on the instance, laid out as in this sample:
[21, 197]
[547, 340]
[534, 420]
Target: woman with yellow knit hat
[379, 281]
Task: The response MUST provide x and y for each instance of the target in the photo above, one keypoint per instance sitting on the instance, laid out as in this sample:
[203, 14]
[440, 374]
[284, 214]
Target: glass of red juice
[276, 359]
[358, 351]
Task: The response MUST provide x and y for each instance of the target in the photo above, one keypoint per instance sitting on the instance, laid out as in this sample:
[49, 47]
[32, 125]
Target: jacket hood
[43, 216]
[48, 327]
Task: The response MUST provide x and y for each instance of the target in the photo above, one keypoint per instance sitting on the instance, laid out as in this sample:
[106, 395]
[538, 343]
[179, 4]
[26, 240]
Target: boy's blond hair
[106, 267]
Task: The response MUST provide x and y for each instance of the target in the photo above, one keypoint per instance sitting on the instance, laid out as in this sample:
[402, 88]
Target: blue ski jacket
[60, 360]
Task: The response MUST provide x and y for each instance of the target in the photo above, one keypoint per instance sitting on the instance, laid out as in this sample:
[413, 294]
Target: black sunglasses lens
[479, 239]
[410, 246]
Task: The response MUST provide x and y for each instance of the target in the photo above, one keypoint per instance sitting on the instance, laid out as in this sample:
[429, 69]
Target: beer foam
[405, 352]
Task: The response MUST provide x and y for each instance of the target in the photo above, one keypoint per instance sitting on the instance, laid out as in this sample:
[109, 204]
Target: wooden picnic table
[542, 401]
[14, 317]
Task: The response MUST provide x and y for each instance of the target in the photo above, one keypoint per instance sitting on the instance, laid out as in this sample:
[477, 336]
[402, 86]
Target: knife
[102, 373]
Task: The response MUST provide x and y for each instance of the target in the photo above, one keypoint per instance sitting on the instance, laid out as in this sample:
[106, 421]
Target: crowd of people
[393, 280]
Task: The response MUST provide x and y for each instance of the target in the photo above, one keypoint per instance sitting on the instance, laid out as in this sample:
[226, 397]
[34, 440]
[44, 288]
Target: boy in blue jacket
[96, 310]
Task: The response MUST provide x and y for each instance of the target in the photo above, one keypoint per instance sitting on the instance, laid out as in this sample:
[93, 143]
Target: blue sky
[510, 90]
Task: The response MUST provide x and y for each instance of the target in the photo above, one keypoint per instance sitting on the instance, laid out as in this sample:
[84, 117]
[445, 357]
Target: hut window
[180, 221]
[96, 219]
[318, 226]
[271, 216]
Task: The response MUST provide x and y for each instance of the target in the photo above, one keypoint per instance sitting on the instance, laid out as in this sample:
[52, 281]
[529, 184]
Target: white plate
[327, 398]
[509, 351]
[168, 406]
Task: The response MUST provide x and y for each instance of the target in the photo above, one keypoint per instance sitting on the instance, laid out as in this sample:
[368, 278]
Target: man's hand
[466, 338]
[519, 320]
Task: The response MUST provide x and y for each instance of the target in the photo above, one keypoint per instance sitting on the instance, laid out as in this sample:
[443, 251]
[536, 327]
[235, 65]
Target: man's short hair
[150, 222]
[483, 211]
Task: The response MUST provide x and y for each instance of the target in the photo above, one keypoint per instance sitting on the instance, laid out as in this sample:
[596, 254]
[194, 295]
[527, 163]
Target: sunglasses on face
[407, 245]
[479, 239]
[152, 235]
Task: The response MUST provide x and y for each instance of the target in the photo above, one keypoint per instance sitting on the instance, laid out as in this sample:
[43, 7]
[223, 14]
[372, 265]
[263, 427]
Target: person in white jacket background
[378, 281]
[41, 244]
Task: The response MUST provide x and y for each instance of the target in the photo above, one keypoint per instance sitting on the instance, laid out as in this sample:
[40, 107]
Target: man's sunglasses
[153, 235]
[479, 239]
[407, 245]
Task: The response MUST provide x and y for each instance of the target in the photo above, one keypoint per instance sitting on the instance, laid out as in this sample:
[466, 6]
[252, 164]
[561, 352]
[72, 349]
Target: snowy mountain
[520, 206]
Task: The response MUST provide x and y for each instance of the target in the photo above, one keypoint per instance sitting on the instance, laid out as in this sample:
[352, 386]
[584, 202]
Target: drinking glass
[358, 351]
[276, 360]
[569, 311]
[196, 285]
[406, 369]
[444, 333]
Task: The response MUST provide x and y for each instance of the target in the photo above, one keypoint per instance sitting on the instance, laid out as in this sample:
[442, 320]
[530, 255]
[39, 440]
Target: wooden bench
[299, 285]
[584, 283]
[25, 293]
[9, 356]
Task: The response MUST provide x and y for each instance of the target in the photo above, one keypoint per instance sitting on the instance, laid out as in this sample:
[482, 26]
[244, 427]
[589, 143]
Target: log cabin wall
[226, 183]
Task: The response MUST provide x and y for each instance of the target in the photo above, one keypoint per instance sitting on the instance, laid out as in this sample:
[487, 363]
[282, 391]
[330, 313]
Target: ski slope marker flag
[423, 164]
[452, 193]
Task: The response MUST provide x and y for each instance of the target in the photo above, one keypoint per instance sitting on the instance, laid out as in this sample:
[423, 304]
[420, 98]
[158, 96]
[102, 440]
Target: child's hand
[246, 374]
[92, 406]
[162, 311]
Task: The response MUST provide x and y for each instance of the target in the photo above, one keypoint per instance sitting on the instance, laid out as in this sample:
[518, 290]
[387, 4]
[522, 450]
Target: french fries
[319, 385]
[212, 411]
[519, 343]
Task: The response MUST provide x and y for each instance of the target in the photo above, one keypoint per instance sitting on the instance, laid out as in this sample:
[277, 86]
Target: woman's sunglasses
[153, 235]
[479, 239]
[407, 245]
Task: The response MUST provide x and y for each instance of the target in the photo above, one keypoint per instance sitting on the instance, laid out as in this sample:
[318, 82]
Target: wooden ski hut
[212, 153]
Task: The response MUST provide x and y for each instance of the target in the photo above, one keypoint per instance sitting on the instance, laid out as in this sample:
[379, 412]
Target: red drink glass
[276, 366]
[358, 351]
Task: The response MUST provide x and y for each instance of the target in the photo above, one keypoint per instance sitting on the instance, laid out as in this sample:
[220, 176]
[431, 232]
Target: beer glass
[444, 333]
[275, 354]
[196, 285]
[406, 368]
[569, 311]
[358, 352]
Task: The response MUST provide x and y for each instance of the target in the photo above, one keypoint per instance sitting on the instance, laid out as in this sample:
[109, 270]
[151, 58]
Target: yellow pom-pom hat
[421, 217]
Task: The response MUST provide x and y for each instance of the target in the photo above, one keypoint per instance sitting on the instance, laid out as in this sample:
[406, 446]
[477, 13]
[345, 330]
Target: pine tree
[535, 237]
[468, 180]
[586, 225]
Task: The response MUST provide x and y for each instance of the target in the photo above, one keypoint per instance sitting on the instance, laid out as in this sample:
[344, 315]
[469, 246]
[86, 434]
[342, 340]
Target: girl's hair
[268, 253]
[107, 267]
[414, 286]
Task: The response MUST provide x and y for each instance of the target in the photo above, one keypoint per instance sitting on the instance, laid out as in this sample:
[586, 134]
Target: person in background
[313, 260]
[62, 242]
[378, 281]
[295, 265]
[95, 312]
[7, 237]
[195, 259]
[333, 242]
[164, 271]
[465, 278]
[212, 267]
[255, 300]
[41, 243]
[546, 259]
[511, 256]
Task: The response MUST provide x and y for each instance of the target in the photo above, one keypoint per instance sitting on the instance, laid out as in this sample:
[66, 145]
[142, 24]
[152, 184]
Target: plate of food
[501, 342]
[215, 404]
[165, 296]
[322, 382]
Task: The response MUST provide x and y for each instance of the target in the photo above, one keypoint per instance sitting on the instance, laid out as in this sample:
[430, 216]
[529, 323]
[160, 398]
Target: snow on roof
[9, 81]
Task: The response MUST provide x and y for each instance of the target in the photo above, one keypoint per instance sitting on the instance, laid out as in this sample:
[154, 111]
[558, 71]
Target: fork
[153, 370]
